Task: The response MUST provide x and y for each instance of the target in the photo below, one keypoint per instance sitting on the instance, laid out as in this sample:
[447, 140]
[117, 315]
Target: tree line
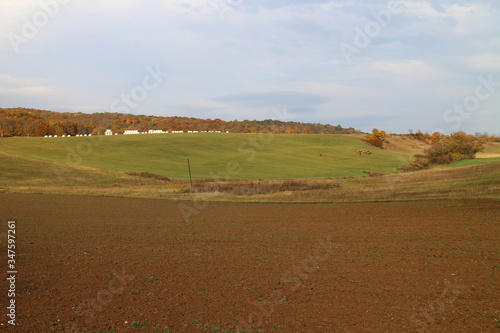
[34, 122]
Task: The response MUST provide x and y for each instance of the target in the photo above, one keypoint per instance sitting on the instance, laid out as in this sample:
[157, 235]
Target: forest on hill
[34, 122]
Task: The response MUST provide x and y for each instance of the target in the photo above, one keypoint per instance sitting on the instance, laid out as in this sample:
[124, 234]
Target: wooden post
[189, 168]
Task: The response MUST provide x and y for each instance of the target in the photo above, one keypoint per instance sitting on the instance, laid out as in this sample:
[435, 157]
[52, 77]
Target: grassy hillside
[97, 166]
[24, 175]
[25, 171]
[244, 156]
[473, 162]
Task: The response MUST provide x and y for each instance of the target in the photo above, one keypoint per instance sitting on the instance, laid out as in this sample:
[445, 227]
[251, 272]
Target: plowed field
[100, 264]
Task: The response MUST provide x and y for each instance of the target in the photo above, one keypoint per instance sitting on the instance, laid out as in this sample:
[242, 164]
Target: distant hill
[34, 122]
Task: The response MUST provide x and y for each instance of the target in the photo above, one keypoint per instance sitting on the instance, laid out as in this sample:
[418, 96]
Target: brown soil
[100, 264]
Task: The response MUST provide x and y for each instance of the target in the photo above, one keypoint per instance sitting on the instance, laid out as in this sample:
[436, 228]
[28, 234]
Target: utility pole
[189, 168]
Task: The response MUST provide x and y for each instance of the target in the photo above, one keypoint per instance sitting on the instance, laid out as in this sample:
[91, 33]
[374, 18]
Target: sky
[393, 65]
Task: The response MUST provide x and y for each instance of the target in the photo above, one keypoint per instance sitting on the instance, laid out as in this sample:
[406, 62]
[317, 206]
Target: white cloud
[468, 18]
[9, 82]
[200, 7]
[422, 9]
[328, 88]
[415, 69]
[93, 51]
[42, 93]
[12, 11]
[485, 62]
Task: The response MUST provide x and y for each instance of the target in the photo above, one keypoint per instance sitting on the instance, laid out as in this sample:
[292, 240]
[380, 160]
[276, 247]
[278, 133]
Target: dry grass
[249, 188]
[484, 155]
[458, 182]
[395, 142]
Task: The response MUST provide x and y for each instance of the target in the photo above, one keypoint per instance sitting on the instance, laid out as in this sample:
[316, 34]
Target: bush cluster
[446, 149]
[455, 147]
[376, 138]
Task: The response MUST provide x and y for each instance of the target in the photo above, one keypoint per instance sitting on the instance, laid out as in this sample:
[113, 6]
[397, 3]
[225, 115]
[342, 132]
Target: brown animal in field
[363, 152]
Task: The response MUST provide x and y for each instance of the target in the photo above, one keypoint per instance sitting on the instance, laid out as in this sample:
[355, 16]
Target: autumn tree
[447, 149]
[376, 138]
[435, 137]
[33, 122]
[5, 127]
[455, 147]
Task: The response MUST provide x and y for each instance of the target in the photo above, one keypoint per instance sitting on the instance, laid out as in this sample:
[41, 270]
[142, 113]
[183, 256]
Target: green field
[212, 155]
[98, 166]
[472, 162]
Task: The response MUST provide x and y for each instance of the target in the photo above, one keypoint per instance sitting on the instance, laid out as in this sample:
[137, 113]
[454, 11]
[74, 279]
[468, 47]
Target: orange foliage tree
[376, 138]
[447, 149]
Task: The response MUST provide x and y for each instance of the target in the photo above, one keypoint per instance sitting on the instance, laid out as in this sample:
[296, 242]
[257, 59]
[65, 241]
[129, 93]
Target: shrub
[455, 147]
[435, 137]
[376, 138]
[417, 165]
[446, 149]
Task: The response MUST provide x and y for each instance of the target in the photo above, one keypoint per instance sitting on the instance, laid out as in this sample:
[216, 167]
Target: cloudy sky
[397, 65]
